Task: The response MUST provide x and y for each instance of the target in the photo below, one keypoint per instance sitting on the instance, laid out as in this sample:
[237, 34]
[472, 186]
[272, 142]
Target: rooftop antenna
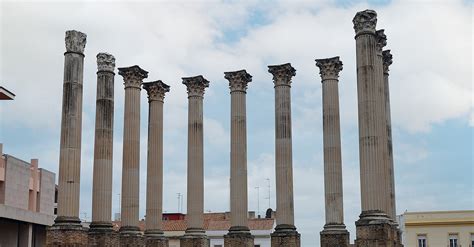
[258, 200]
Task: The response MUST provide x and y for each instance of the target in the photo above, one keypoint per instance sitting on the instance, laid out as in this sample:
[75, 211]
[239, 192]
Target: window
[472, 239]
[257, 245]
[453, 240]
[421, 241]
[218, 245]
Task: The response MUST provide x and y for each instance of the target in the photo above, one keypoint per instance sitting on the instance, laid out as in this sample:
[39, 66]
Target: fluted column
[133, 77]
[195, 199]
[381, 40]
[373, 227]
[239, 233]
[334, 233]
[103, 144]
[71, 129]
[154, 184]
[285, 222]
[371, 114]
[387, 61]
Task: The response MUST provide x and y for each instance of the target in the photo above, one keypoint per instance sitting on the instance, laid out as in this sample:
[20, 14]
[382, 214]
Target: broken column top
[238, 80]
[365, 22]
[105, 62]
[381, 39]
[195, 85]
[75, 41]
[282, 73]
[156, 90]
[387, 60]
[133, 76]
[329, 68]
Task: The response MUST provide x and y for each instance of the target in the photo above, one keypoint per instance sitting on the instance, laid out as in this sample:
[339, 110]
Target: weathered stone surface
[238, 240]
[331, 238]
[66, 235]
[285, 238]
[194, 241]
[132, 239]
[103, 237]
[156, 241]
[374, 229]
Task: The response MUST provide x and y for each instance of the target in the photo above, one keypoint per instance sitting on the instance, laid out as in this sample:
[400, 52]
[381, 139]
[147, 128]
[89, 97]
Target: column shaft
[131, 158]
[372, 136]
[103, 144]
[387, 61]
[238, 153]
[195, 199]
[332, 153]
[71, 128]
[283, 156]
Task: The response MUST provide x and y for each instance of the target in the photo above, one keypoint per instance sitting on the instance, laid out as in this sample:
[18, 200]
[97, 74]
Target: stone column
[381, 40]
[154, 184]
[285, 234]
[373, 228]
[334, 233]
[195, 235]
[67, 229]
[239, 232]
[101, 232]
[387, 61]
[130, 234]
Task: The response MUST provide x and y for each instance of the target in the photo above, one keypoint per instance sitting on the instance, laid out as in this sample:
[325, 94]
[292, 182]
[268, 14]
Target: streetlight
[258, 200]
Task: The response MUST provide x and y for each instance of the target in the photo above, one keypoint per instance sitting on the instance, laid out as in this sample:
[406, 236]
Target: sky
[431, 90]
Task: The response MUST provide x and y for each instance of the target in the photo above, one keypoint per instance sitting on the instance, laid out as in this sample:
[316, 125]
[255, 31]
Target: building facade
[26, 201]
[438, 228]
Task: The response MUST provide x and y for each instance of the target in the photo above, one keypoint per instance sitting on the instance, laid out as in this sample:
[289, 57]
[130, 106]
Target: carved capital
[365, 21]
[133, 76]
[329, 68]
[238, 80]
[156, 90]
[75, 41]
[105, 62]
[381, 39]
[387, 60]
[282, 74]
[195, 85]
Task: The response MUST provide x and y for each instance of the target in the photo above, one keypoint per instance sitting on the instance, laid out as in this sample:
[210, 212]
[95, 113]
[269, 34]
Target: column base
[194, 237]
[374, 229]
[334, 235]
[131, 236]
[155, 238]
[285, 236]
[102, 234]
[238, 236]
[66, 231]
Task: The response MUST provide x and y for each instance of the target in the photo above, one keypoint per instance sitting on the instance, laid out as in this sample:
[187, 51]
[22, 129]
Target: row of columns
[375, 145]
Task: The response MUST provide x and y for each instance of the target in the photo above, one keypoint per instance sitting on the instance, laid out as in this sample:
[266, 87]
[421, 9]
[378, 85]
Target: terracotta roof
[212, 222]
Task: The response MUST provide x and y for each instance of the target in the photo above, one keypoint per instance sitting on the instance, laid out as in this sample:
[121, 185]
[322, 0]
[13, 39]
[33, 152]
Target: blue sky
[430, 83]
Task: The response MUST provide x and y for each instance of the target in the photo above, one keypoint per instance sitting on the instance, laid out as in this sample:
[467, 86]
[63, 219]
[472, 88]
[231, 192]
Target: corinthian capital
[105, 62]
[238, 80]
[75, 41]
[387, 60]
[329, 68]
[156, 90]
[381, 39]
[195, 85]
[365, 21]
[133, 76]
[282, 74]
